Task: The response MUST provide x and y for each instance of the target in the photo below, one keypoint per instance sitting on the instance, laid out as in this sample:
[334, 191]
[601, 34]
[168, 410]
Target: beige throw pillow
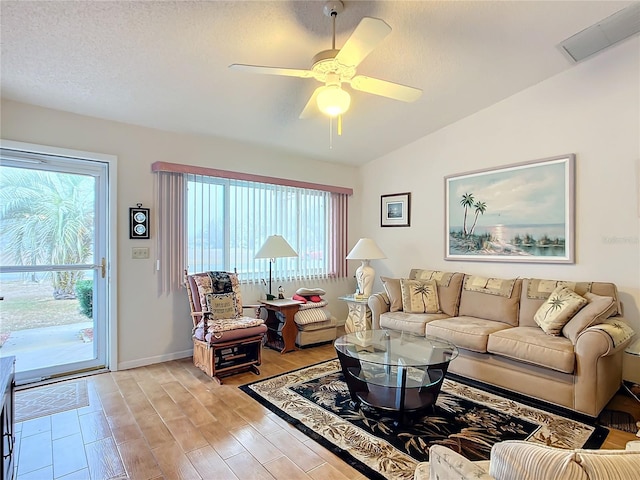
[419, 296]
[222, 306]
[392, 287]
[558, 309]
[596, 311]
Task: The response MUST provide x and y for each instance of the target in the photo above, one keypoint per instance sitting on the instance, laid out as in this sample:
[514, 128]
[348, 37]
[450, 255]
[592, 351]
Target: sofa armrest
[598, 370]
[633, 445]
[445, 464]
[617, 332]
[378, 304]
[614, 335]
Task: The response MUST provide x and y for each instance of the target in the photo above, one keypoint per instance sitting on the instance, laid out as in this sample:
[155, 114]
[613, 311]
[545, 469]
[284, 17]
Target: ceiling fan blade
[311, 107]
[385, 88]
[367, 35]
[287, 72]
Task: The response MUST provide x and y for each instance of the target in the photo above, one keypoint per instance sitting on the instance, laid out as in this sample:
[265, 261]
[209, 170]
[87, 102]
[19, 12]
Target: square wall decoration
[522, 212]
[395, 210]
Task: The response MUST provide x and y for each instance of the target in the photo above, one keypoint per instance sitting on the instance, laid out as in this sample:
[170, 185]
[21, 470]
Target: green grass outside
[31, 305]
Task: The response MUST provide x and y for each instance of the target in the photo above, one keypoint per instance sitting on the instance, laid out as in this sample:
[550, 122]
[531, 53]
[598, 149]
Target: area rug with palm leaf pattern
[469, 420]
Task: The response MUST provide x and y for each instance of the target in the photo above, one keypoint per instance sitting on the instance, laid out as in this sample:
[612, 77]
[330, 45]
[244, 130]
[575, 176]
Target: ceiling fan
[335, 67]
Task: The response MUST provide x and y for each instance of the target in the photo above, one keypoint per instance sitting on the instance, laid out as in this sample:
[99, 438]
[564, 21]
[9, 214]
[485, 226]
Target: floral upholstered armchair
[225, 341]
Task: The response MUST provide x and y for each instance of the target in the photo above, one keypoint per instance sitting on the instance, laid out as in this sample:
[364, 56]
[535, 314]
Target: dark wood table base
[281, 337]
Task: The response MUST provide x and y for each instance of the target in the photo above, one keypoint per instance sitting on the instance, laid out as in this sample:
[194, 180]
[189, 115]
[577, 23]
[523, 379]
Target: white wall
[591, 110]
[153, 328]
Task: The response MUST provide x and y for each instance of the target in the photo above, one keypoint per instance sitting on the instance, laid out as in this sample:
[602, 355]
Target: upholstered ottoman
[315, 324]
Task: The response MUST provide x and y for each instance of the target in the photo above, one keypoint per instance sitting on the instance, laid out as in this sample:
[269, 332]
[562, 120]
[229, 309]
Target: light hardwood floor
[170, 421]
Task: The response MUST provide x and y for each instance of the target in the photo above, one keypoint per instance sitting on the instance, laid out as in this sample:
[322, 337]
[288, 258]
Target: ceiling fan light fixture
[333, 101]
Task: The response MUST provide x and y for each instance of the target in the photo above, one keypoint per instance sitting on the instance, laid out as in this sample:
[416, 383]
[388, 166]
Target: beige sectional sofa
[491, 321]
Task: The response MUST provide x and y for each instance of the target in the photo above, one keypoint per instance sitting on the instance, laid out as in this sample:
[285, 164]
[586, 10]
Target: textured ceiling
[164, 64]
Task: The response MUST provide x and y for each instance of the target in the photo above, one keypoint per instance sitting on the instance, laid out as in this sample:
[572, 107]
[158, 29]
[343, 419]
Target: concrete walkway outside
[45, 347]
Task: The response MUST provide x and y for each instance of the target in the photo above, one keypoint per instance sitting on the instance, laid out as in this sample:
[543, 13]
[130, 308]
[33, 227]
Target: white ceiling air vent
[603, 34]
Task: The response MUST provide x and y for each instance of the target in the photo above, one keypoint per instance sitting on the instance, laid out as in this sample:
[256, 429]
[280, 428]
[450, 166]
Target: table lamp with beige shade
[366, 249]
[275, 246]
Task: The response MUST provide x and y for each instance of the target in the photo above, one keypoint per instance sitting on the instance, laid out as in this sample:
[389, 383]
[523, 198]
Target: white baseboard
[157, 359]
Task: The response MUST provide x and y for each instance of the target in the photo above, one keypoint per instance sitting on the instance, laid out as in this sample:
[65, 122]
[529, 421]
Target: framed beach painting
[395, 210]
[522, 212]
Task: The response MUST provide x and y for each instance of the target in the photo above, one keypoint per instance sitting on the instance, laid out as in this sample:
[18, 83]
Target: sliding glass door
[53, 264]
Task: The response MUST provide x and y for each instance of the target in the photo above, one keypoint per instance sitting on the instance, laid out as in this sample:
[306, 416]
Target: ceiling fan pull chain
[340, 125]
[330, 133]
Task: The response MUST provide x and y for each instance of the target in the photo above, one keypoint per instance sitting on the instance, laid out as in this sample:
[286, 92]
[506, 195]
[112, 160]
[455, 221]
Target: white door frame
[111, 235]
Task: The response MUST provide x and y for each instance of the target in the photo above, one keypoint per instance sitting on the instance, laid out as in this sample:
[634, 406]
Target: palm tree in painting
[424, 290]
[480, 207]
[467, 202]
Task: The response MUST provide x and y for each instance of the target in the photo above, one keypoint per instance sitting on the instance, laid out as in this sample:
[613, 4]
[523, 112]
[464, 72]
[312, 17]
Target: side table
[283, 337]
[359, 316]
[631, 362]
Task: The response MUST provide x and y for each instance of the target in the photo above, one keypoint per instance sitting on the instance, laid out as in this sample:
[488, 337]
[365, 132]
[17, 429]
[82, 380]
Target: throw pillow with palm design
[419, 296]
[558, 309]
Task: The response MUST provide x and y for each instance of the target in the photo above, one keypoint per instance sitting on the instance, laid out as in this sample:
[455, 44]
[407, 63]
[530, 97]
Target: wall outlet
[140, 252]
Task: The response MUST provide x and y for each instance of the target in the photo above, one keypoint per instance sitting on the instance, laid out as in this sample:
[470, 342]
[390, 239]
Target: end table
[286, 335]
[359, 317]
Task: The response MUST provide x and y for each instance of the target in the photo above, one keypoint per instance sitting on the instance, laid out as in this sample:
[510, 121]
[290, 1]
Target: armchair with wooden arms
[225, 341]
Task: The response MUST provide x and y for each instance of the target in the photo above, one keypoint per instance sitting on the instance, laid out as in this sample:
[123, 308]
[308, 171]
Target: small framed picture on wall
[138, 222]
[395, 210]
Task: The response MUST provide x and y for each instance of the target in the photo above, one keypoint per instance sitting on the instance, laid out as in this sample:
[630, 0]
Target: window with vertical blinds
[229, 220]
[226, 220]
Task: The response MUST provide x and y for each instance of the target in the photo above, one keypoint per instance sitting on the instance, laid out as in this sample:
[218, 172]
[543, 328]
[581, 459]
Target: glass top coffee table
[394, 371]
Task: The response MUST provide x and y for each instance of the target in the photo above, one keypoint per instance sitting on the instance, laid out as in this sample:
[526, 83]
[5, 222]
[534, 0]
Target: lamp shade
[275, 246]
[366, 249]
[333, 101]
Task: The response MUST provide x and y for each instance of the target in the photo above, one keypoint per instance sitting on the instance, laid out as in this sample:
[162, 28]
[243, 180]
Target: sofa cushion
[470, 333]
[227, 330]
[392, 288]
[535, 291]
[609, 463]
[419, 296]
[558, 309]
[541, 289]
[607, 289]
[596, 311]
[409, 322]
[532, 345]
[449, 285]
[476, 301]
[520, 460]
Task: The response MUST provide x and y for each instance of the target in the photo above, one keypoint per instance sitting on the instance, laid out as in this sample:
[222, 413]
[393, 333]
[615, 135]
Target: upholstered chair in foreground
[518, 460]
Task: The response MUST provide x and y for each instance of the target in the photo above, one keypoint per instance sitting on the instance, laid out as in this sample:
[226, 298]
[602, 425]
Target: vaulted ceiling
[165, 64]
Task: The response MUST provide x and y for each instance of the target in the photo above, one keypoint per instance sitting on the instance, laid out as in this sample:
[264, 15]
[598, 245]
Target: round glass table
[394, 371]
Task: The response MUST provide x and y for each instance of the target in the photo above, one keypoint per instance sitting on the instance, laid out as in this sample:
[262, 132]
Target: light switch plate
[140, 252]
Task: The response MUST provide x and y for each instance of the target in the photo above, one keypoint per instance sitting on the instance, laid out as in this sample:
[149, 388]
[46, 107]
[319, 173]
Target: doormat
[469, 420]
[49, 399]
